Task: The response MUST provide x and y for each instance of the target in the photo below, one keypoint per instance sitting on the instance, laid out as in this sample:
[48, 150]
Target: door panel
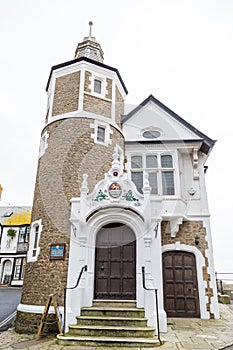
[115, 264]
[180, 284]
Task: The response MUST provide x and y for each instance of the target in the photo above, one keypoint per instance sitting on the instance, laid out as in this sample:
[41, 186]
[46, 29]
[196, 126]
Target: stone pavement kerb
[183, 334]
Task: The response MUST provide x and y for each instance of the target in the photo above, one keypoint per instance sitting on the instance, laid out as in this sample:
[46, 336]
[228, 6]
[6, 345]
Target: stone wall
[119, 106]
[186, 235]
[66, 94]
[71, 152]
[87, 82]
[109, 88]
[97, 105]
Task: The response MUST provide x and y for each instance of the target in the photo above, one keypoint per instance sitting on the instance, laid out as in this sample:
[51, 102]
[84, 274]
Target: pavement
[183, 334]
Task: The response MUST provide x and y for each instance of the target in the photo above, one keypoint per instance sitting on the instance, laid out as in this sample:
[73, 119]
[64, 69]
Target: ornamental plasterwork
[195, 164]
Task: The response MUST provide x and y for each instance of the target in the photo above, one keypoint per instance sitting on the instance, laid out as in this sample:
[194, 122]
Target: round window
[151, 134]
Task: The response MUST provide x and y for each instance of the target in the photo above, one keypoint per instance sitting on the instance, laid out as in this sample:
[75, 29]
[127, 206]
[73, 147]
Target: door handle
[102, 267]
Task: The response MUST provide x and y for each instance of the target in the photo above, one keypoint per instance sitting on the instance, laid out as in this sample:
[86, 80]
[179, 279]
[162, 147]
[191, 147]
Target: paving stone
[183, 334]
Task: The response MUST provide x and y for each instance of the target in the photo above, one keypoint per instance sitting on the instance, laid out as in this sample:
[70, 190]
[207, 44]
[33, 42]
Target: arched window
[34, 248]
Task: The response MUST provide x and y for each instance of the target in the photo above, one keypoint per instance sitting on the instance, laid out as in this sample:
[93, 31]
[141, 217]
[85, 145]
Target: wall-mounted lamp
[197, 240]
[191, 191]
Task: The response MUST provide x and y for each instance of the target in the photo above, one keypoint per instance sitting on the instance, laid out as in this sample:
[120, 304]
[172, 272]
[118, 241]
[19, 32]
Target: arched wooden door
[180, 284]
[115, 263]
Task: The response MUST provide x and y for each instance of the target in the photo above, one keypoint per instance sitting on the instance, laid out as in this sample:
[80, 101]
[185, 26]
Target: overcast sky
[178, 50]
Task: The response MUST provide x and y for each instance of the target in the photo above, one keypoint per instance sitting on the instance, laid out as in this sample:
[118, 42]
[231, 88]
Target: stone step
[112, 331]
[112, 321]
[114, 303]
[112, 311]
[106, 342]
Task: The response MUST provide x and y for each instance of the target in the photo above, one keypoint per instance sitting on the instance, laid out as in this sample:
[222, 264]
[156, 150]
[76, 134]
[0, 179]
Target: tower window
[100, 134]
[98, 86]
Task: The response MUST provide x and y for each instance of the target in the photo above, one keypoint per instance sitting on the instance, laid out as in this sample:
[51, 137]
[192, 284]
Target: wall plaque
[57, 251]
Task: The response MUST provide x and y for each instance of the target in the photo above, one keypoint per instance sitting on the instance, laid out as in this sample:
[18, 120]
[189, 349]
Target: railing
[222, 277]
[84, 268]
[156, 302]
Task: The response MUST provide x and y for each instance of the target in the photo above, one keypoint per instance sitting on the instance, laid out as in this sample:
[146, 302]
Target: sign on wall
[57, 251]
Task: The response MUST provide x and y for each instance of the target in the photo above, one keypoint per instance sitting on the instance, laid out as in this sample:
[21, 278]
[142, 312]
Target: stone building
[119, 195]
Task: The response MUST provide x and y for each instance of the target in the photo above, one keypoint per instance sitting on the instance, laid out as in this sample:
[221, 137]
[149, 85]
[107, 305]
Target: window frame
[34, 241]
[108, 132]
[99, 87]
[102, 80]
[98, 136]
[23, 237]
[19, 268]
[158, 190]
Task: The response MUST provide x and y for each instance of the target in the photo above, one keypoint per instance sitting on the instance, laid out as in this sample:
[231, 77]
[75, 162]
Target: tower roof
[89, 47]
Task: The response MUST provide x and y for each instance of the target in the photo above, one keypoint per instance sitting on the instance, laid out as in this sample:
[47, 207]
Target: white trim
[159, 170]
[113, 107]
[30, 257]
[97, 70]
[108, 133]
[82, 251]
[4, 259]
[37, 309]
[200, 263]
[43, 144]
[83, 114]
[81, 88]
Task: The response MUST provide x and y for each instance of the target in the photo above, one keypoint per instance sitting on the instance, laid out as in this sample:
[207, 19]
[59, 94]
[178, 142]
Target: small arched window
[34, 248]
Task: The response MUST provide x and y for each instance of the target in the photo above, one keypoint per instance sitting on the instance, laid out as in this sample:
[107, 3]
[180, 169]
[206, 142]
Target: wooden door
[115, 263]
[180, 284]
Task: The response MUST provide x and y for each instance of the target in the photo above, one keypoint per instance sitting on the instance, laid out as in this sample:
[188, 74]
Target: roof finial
[90, 30]
[89, 47]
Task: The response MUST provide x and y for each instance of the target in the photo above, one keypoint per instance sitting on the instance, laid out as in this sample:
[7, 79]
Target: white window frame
[43, 144]
[34, 248]
[108, 133]
[99, 139]
[102, 79]
[159, 170]
[99, 85]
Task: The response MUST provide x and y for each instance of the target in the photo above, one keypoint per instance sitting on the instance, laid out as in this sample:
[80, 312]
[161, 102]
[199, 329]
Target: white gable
[151, 117]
